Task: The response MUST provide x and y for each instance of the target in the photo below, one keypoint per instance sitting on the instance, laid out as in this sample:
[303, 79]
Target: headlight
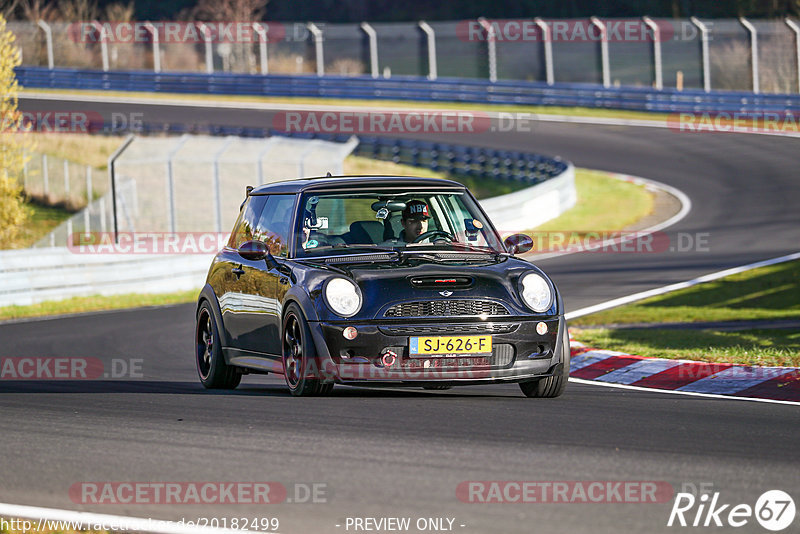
[343, 297]
[536, 292]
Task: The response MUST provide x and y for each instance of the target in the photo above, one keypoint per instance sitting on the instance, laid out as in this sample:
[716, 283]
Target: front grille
[475, 328]
[446, 308]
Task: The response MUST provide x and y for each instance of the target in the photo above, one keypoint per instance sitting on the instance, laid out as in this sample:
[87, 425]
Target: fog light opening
[350, 333]
[541, 328]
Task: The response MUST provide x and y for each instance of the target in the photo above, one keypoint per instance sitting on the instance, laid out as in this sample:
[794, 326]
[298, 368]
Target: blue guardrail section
[414, 88]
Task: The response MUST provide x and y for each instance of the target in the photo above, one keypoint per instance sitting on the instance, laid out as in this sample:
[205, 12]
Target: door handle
[238, 271]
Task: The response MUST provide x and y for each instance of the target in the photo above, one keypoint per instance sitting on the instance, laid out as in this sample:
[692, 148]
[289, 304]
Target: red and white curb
[610, 367]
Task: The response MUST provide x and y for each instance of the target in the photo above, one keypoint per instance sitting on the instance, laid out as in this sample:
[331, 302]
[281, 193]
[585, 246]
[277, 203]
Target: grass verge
[764, 293]
[779, 347]
[97, 303]
[83, 149]
[42, 219]
[623, 203]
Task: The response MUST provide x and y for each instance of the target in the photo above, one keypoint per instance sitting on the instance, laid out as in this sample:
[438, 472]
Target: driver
[414, 220]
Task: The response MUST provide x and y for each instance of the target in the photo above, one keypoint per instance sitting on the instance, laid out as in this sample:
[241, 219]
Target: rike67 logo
[774, 510]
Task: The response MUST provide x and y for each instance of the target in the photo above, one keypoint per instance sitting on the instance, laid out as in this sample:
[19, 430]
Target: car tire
[300, 356]
[214, 373]
[551, 386]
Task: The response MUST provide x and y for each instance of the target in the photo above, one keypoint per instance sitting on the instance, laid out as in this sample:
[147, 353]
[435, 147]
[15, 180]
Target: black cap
[416, 209]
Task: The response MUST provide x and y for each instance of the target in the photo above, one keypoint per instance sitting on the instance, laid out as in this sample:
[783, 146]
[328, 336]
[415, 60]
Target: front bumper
[519, 353]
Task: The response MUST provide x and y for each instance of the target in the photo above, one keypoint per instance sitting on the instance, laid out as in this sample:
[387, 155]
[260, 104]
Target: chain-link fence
[573, 49]
[57, 181]
[195, 183]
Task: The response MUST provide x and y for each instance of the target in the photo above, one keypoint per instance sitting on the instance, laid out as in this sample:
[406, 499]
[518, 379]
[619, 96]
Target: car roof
[340, 183]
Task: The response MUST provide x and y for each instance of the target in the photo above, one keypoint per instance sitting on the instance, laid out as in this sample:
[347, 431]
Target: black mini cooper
[379, 281]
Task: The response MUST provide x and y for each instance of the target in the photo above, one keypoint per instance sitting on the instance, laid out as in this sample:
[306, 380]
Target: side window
[273, 226]
[245, 229]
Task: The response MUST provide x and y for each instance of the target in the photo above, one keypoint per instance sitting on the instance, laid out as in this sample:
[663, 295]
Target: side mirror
[518, 243]
[253, 250]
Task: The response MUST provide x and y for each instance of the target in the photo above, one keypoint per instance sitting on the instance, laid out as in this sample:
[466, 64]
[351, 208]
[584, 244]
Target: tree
[13, 212]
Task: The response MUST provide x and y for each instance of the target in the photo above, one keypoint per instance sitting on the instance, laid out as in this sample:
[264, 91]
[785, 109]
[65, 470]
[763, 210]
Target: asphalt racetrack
[403, 453]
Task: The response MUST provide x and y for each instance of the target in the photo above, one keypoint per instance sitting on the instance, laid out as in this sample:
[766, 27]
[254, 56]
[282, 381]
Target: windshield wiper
[472, 248]
[339, 246]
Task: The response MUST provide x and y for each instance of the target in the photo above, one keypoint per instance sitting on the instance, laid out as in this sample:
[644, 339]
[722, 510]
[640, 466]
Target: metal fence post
[89, 195]
[48, 36]
[704, 50]
[318, 49]
[603, 50]
[45, 175]
[373, 48]
[156, 48]
[217, 183]
[548, 49]
[657, 68]
[66, 180]
[113, 178]
[171, 218]
[796, 29]
[491, 39]
[207, 40]
[431, 40]
[103, 43]
[262, 32]
[753, 51]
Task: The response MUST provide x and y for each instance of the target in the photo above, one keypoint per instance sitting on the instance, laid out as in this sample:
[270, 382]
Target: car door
[252, 304]
[273, 228]
[248, 292]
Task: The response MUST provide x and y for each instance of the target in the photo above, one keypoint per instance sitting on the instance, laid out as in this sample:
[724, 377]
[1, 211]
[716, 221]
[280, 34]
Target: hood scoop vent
[441, 282]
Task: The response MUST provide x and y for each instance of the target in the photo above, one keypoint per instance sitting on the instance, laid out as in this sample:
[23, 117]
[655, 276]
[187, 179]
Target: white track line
[680, 285]
[675, 392]
[109, 522]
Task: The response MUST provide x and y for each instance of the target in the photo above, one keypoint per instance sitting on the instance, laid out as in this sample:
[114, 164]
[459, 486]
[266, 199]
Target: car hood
[385, 284]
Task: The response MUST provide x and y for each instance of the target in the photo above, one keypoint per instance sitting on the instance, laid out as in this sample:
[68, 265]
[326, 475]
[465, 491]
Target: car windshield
[332, 223]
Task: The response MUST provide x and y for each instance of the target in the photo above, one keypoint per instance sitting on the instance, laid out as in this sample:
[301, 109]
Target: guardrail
[413, 88]
[58, 273]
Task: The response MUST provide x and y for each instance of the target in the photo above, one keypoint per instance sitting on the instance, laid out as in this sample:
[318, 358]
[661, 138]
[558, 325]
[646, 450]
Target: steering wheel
[426, 235]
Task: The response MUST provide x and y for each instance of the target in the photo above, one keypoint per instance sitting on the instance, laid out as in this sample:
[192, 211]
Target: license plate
[450, 345]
